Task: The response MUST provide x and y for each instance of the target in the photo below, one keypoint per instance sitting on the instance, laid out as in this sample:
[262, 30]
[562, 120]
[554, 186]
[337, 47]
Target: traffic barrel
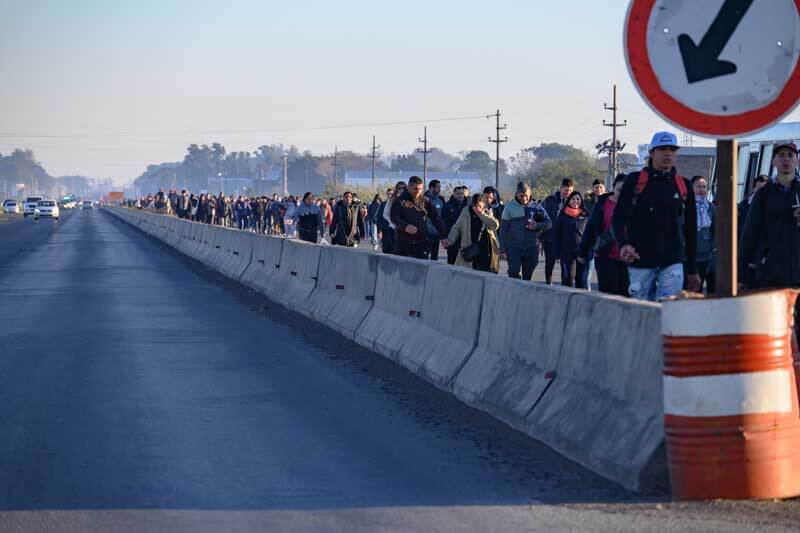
[731, 415]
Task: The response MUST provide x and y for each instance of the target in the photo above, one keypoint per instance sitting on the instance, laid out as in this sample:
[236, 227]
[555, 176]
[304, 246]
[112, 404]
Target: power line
[232, 132]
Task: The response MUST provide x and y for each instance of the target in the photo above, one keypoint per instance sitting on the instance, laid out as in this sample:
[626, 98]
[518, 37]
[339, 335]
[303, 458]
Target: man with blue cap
[655, 224]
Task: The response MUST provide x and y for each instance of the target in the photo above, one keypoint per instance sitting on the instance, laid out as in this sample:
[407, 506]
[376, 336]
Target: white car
[11, 206]
[46, 208]
[87, 204]
[29, 205]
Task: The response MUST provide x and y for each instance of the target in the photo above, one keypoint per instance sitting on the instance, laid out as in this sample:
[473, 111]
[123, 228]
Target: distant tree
[406, 163]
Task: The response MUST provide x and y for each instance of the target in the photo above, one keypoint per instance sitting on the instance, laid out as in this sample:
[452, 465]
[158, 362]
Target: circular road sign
[717, 68]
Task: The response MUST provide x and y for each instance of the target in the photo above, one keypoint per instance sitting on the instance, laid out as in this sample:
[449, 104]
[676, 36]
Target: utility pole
[615, 144]
[285, 176]
[306, 160]
[335, 166]
[498, 141]
[424, 151]
[373, 156]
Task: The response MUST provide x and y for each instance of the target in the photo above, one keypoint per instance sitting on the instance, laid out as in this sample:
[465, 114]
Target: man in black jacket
[410, 214]
[450, 213]
[553, 204]
[655, 224]
[771, 236]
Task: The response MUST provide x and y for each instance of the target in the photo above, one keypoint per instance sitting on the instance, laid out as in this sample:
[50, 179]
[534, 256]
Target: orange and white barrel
[730, 397]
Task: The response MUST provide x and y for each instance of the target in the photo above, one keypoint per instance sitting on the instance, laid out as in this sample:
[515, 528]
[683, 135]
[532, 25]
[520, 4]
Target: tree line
[205, 167]
[22, 175]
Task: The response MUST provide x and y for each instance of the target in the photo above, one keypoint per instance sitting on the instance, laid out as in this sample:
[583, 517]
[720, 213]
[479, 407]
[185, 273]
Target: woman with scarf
[477, 224]
[346, 221]
[705, 233]
[567, 234]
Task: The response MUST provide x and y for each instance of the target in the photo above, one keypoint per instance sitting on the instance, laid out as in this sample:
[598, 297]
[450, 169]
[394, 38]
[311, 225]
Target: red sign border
[646, 82]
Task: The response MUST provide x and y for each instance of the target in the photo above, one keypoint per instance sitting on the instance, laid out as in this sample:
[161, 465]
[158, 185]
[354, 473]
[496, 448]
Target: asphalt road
[140, 391]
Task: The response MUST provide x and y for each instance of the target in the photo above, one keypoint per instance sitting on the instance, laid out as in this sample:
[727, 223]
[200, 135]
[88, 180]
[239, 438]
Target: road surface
[142, 392]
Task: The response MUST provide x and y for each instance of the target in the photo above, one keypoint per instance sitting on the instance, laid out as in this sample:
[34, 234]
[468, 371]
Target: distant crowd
[650, 237]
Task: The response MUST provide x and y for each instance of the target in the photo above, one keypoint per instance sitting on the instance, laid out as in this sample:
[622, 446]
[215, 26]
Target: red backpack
[641, 183]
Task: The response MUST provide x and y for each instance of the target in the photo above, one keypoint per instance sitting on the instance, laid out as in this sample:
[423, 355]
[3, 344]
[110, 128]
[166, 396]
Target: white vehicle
[755, 153]
[87, 204]
[11, 206]
[29, 205]
[46, 208]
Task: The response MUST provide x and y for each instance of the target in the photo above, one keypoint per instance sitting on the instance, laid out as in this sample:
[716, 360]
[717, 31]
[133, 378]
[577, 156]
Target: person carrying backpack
[655, 224]
[771, 235]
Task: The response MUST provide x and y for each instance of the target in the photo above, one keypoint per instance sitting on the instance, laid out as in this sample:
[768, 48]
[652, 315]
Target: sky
[104, 88]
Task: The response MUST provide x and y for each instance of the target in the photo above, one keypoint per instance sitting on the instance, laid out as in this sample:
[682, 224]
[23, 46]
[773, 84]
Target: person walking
[553, 205]
[598, 242]
[655, 223]
[450, 213]
[388, 229]
[476, 230]
[521, 224]
[372, 220]
[771, 235]
[705, 234]
[410, 214]
[433, 194]
[308, 219]
[567, 234]
[346, 219]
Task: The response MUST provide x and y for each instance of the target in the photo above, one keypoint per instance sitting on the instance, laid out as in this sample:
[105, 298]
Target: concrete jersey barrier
[297, 276]
[396, 312]
[518, 349]
[604, 408]
[448, 330]
[265, 263]
[345, 288]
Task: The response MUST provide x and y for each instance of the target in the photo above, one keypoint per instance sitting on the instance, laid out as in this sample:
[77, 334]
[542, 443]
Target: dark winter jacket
[372, 211]
[409, 212]
[771, 236]
[568, 232]
[344, 227]
[658, 223]
[552, 204]
[514, 232]
[451, 211]
[308, 220]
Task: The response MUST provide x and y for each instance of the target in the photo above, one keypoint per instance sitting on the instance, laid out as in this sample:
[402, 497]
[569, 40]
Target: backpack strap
[641, 183]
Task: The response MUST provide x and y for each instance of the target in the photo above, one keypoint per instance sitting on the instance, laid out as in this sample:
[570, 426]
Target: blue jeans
[656, 284]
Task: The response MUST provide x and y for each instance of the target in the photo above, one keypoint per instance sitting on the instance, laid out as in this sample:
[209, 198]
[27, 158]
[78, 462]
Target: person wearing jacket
[372, 220]
[742, 209]
[346, 220]
[308, 219]
[771, 236]
[567, 234]
[410, 213]
[705, 233]
[493, 201]
[450, 213]
[553, 205]
[388, 231]
[655, 223]
[433, 194]
[598, 242]
[477, 224]
[520, 226]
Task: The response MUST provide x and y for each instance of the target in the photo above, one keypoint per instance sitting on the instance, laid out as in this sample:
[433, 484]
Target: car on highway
[69, 204]
[11, 207]
[29, 205]
[87, 204]
[46, 208]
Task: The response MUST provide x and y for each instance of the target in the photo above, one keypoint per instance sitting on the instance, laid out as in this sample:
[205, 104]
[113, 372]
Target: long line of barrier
[578, 371]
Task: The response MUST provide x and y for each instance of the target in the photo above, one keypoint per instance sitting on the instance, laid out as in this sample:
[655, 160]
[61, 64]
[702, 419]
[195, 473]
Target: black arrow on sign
[702, 61]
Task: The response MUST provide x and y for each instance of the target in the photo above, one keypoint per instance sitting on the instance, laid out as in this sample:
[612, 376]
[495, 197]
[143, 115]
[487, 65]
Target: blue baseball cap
[664, 138]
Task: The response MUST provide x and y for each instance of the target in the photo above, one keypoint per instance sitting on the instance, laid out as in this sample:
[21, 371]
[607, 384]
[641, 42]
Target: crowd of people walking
[650, 237]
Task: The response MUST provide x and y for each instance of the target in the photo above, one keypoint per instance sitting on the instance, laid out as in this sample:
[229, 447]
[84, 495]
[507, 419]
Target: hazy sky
[103, 88]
